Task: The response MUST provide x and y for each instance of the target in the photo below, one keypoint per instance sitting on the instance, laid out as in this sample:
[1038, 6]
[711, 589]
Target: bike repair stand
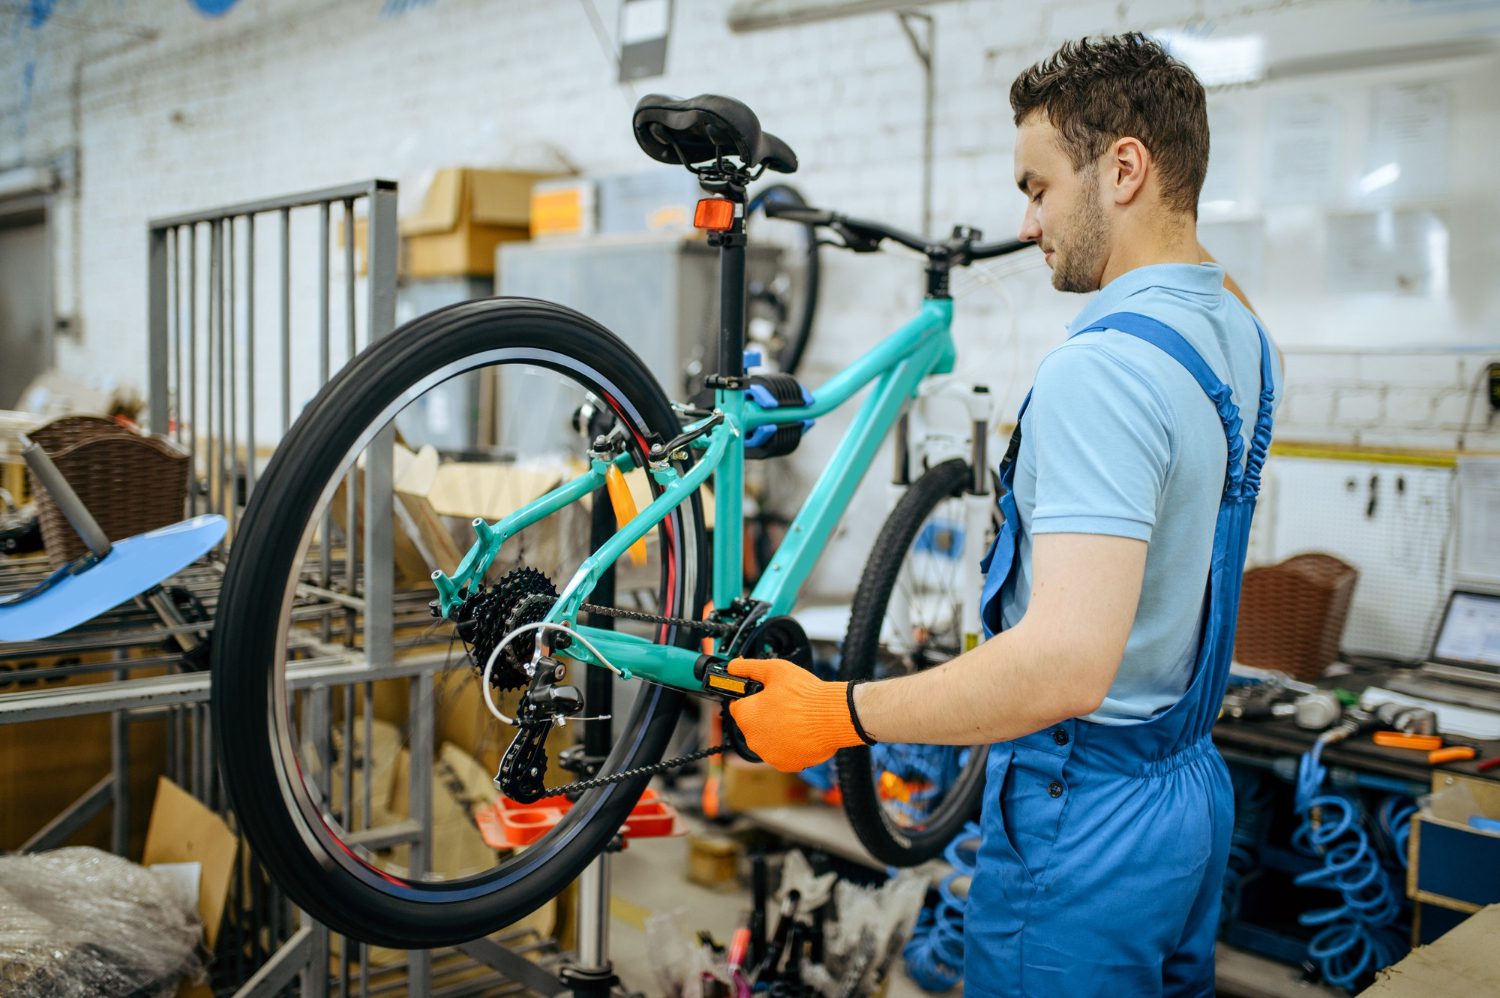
[592, 975]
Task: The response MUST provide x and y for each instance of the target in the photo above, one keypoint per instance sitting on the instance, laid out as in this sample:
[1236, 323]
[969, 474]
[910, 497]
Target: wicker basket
[1292, 615]
[130, 483]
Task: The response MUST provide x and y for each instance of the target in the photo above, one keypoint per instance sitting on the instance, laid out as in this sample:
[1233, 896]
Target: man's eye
[1036, 198]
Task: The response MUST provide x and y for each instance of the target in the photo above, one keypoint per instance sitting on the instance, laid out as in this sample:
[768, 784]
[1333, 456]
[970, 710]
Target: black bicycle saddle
[704, 128]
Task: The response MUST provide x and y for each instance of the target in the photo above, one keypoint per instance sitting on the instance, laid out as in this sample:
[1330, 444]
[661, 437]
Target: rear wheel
[906, 802]
[310, 749]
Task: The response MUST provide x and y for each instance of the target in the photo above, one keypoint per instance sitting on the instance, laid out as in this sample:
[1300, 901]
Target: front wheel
[311, 766]
[906, 802]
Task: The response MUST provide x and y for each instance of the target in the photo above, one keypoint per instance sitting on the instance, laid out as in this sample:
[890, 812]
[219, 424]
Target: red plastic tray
[508, 824]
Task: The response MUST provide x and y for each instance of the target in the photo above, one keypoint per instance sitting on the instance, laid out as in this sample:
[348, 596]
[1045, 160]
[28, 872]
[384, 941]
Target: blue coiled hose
[935, 953]
[1359, 936]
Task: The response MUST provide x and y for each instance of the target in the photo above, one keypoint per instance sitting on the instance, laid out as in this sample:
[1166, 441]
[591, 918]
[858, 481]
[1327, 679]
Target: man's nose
[1031, 229]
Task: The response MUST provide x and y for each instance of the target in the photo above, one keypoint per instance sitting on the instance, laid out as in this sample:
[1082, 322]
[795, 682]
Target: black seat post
[732, 294]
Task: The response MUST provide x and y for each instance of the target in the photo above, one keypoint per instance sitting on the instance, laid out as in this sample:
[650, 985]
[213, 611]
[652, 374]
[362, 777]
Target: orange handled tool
[1457, 753]
[1398, 739]
[625, 509]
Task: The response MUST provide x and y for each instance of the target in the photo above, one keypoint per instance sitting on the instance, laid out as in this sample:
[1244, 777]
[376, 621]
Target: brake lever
[854, 240]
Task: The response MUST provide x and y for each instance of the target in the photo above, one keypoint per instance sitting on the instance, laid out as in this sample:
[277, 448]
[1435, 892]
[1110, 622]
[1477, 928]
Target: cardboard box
[1465, 961]
[182, 830]
[1452, 864]
[713, 860]
[748, 785]
[465, 214]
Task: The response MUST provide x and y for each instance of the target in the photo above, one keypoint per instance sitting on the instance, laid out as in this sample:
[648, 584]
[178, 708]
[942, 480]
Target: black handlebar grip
[986, 251]
[798, 213]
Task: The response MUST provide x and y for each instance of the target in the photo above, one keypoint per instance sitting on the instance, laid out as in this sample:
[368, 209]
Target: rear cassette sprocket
[522, 596]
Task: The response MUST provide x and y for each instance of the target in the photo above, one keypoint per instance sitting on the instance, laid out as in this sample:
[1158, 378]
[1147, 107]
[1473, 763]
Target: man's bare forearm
[1057, 662]
[1009, 686]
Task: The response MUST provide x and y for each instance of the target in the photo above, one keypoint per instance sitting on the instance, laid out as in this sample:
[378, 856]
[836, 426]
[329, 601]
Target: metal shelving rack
[208, 370]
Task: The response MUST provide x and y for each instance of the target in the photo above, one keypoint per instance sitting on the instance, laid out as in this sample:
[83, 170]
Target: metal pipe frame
[211, 409]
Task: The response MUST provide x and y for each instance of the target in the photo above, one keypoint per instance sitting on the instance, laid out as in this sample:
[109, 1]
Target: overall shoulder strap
[1260, 441]
[1013, 449]
[1172, 343]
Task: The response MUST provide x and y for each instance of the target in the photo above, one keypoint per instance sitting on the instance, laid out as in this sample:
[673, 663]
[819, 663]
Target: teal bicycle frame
[897, 366]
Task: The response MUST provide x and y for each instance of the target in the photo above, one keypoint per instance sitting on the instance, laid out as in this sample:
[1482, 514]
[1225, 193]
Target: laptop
[1464, 665]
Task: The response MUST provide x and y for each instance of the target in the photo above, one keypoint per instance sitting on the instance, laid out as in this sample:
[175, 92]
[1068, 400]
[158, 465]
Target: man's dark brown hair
[1097, 90]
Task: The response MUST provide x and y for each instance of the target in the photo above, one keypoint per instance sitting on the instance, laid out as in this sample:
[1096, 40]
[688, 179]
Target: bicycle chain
[706, 626]
[626, 774]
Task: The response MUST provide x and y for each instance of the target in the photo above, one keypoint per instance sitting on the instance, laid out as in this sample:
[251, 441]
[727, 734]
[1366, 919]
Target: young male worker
[1112, 590]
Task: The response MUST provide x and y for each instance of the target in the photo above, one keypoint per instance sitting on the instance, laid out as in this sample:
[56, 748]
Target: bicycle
[631, 614]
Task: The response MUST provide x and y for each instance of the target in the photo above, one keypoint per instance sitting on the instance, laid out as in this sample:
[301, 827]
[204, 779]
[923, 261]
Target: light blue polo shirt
[1120, 440]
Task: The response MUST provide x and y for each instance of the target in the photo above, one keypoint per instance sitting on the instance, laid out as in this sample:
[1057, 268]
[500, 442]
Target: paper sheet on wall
[1478, 542]
[1301, 149]
[1407, 155]
[1398, 252]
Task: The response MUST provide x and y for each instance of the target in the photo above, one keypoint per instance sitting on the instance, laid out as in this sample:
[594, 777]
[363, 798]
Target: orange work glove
[798, 720]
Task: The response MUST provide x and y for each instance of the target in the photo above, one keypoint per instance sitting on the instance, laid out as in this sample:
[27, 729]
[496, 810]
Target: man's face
[1064, 214]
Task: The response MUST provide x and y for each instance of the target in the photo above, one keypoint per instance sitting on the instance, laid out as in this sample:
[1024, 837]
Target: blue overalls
[1104, 846]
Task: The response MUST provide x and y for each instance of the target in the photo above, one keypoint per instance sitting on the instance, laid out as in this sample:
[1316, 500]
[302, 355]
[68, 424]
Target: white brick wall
[174, 111]
[1431, 400]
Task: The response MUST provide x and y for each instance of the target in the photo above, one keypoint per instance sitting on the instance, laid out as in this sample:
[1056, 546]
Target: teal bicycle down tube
[928, 349]
[926, 336]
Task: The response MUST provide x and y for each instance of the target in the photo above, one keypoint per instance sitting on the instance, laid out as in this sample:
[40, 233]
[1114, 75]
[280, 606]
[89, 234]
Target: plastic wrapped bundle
[81, 922]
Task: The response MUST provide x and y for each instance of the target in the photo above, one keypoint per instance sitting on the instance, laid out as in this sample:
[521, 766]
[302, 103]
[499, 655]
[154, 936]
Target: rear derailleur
[523, 768]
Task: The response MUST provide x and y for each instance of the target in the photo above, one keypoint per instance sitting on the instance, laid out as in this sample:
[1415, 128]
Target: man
[1113, 588]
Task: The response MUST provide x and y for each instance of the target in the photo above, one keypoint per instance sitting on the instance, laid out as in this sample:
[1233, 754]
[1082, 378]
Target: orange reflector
[625, 510]
[714, 214]
[717, 682]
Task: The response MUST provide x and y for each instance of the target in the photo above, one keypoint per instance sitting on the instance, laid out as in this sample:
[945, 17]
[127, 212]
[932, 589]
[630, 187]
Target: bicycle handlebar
[987, 251]
[863, 236]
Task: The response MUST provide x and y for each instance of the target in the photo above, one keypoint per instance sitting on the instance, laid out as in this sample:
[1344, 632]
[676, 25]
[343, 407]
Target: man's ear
[1125, 167]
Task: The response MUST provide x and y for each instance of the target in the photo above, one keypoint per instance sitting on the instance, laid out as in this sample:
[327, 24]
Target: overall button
[1055, 789]
[1060, 736]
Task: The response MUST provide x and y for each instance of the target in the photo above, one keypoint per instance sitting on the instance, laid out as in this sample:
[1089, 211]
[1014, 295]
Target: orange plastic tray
[508, 824]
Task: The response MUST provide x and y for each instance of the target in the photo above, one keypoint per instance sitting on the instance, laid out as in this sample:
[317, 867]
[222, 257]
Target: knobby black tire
[888, 842]
[415, 914]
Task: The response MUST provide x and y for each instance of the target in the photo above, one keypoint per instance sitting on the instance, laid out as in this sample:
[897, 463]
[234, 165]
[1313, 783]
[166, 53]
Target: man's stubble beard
[1081, 253]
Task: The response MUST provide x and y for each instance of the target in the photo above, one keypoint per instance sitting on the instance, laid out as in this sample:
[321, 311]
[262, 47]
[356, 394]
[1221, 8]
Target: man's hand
[798, 720]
